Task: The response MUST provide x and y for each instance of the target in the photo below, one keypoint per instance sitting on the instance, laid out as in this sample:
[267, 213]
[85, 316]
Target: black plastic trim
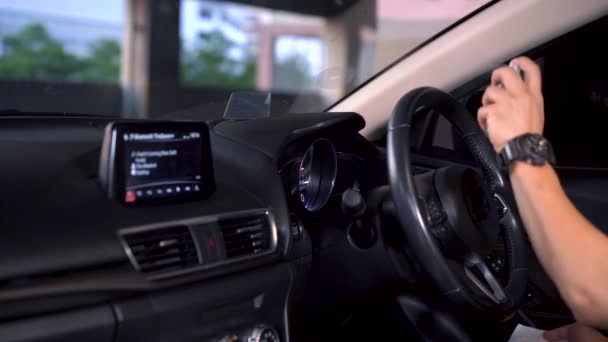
[202, 220]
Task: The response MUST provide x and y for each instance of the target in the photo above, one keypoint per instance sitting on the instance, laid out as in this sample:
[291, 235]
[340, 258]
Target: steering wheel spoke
[476, 268]
[501, 206]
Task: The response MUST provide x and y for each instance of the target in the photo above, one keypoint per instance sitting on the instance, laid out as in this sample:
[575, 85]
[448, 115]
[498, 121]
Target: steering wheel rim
[415, 222]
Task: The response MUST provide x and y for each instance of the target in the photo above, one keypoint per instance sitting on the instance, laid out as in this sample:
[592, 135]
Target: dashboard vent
[246, 236]
[162, 250]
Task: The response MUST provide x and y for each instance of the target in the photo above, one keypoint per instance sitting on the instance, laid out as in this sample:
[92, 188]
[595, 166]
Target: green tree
[33, 54]
[209, 63]
[292, 74]
[103, 63]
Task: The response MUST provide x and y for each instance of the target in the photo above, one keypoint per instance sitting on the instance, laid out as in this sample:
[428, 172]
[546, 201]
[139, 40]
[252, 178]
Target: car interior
[382, 217]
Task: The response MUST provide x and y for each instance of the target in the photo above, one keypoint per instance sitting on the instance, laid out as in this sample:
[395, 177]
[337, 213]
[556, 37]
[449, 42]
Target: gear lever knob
[353, 204]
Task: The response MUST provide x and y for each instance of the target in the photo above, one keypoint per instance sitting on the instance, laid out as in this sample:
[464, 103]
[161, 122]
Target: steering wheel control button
[495, 263]
[435, 213]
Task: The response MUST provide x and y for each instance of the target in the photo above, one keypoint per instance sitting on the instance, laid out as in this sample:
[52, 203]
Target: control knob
[261, 333]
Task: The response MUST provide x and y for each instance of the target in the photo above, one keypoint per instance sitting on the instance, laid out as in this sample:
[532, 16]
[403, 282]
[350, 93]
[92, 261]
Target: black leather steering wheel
[452, 217]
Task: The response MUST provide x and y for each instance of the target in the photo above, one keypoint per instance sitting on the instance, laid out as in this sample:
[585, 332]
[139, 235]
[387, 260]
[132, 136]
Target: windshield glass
[184, 58]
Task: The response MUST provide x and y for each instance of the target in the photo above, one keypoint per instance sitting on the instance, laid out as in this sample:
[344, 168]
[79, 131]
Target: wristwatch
[529, 148]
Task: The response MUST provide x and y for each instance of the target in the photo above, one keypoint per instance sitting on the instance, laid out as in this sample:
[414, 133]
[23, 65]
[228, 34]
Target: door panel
[588, 190]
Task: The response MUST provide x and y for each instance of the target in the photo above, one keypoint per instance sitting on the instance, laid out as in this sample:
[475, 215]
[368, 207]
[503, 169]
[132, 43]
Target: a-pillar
[150, 58]
[344, 48]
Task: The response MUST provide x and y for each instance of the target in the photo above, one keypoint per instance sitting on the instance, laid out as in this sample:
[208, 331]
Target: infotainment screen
[157, 161]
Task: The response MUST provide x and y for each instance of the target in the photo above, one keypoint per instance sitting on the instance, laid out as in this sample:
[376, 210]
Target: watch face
[535, 143]
[536, 149]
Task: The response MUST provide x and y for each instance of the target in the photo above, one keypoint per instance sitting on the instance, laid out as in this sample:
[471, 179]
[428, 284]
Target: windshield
[183, 59]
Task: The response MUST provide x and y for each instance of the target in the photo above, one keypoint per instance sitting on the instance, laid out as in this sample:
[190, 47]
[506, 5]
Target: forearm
[572, 250]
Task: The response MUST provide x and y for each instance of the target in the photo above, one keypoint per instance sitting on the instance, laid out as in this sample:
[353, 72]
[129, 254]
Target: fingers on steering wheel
[531, 71]
[511, 81]
[482, 116]
[494, 94]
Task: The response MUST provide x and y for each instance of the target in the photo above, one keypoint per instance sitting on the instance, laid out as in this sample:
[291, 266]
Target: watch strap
[533, 149]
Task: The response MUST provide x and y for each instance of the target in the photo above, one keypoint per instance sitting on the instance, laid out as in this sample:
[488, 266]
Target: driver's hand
[516, 107]
[576, 332]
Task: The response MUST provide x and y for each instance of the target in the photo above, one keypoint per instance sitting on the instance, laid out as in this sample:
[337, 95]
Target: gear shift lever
[361, 231]
[353, 204]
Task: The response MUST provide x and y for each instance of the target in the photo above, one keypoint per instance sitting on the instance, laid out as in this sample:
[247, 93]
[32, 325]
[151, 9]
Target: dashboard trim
[112, 154]
[202, 220]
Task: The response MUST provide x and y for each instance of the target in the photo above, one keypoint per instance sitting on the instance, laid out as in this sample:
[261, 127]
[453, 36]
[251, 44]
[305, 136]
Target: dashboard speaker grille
[162, 250]
[246, 236]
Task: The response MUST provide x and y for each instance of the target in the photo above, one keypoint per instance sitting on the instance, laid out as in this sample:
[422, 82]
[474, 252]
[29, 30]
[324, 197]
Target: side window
[575, 88]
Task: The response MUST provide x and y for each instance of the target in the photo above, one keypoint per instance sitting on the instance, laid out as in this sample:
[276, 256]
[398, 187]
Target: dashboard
[271, 238]
[79, 260]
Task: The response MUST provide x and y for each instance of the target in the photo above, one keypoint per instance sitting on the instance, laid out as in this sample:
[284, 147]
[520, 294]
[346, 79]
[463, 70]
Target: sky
[190, 22]
[111, 11]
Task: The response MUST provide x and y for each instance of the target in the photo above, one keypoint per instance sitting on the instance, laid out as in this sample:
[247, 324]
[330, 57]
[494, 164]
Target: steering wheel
[452, 217]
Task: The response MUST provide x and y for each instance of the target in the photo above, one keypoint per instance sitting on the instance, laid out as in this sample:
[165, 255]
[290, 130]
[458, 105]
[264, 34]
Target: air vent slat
[182, 256]
[241, 251]
[163, 249]
[246, 236]
[154, 236]
[154, 250]
[243, 230]
[244, 244]
[168, 255]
